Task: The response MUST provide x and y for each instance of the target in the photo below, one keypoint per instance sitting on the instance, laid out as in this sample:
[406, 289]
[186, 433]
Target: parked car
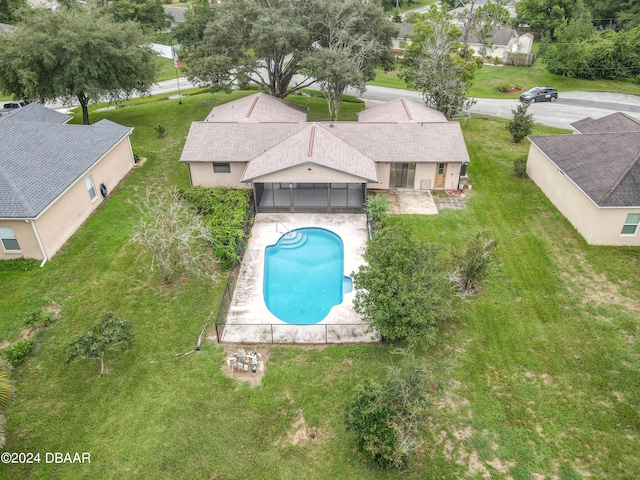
[9, 107]
[540, 94]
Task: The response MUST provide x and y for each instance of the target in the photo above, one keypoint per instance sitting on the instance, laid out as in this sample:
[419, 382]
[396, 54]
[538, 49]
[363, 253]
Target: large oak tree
[78, 54]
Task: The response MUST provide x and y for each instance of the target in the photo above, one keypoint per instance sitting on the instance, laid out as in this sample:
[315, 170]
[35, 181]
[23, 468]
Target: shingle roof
[258, 108]
[605, 166]
[41, 160]
[36, 113]
[616, 122]
[404, 30]
[350, 147]
[400, 110]
[314, 144]
[500, 37]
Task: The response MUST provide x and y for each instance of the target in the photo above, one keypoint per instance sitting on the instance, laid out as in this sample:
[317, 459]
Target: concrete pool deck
[249, 320]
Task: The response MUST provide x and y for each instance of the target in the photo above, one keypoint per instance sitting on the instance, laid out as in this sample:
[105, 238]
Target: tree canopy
[267, 41]
[438, 66]
[402, 289]
[76, 54]
[9, 10]
[545, 16]
[148, 13]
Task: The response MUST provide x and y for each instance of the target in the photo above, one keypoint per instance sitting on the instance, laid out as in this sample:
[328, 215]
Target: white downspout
[35, 232]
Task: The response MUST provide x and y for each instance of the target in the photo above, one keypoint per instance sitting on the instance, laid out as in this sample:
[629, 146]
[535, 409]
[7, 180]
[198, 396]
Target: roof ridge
[607, 196]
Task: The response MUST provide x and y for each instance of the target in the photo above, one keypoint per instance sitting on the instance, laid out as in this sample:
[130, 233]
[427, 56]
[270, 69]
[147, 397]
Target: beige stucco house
[593, 177]
[501, 43]
[53, 176]
[293, 165]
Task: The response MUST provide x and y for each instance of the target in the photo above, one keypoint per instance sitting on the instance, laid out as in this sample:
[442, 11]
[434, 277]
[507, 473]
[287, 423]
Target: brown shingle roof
[315, 144]
[605, 166]
[616, 122]
[258, 108]
[401, 110]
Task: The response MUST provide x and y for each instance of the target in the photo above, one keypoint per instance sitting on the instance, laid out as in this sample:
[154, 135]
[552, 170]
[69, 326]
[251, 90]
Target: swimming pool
[304, 275]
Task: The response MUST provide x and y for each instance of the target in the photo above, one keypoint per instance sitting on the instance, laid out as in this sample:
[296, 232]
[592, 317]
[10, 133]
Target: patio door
[440, 175]
[402, 175]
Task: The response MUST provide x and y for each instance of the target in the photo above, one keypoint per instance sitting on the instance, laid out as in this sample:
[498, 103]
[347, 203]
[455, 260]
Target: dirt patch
[254, 379]
[53, 309]
[300, 433]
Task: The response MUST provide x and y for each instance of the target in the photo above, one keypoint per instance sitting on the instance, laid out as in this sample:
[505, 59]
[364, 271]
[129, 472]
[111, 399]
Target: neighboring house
[52, 176]
[267, 144]
[593, 177]
[502, 42]
[400, 43]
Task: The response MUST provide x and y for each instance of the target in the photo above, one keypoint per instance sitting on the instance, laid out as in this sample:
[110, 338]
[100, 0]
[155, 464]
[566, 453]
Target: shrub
[17, 353]
[522, 124]
[387, 418]
[160, 130]
[520, 166]
[506, 87]
[226, 211]
[38, 318]
[474, 262]
[377, 207]
[19, 264]
[136, 155]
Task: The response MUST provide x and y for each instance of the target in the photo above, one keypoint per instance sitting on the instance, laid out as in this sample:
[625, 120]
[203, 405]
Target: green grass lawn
[542, 370]
[489, 77]
[167, 69]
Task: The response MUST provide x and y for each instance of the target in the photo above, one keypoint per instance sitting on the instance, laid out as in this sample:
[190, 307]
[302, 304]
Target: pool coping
[249, 320]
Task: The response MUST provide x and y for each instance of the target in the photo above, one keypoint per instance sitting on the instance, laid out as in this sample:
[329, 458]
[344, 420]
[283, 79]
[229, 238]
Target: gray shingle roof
[38, 161]
[258, 108]
[35, 113]
[400, 110]
[500, 37]
[605, 166]
[616, 122]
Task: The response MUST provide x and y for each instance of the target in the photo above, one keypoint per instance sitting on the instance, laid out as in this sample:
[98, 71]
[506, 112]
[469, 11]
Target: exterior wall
[69, 212]
[491, 52]
[525, 42]
[26, 241]
[598, 226]
[301, 174]
[202, 174]
[425, 174]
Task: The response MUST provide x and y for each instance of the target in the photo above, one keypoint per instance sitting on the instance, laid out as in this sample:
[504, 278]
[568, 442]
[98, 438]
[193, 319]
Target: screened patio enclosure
[295, 197]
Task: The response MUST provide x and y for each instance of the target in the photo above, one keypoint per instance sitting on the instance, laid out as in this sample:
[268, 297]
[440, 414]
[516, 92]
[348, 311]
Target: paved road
[570, 106]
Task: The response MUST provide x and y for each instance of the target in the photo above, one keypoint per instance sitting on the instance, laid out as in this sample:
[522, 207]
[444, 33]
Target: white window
[90, 187]
[630, 226]
[221, 167]
[9, 241]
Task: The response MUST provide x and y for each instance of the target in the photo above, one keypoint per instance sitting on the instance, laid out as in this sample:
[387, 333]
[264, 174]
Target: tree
[175, 237]
[387, 418]
[402, 289]
[9, 10]
[190, 33]
[481, 20]
[354, 38]
[110, 333]
[148, 13]
[436, 65]
[75, 54]
[545, 16]
[569, 55]
[522, 123]
[267, 41]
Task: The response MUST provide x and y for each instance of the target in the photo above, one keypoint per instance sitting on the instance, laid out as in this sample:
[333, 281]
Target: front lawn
[489, 77]
[541, 371]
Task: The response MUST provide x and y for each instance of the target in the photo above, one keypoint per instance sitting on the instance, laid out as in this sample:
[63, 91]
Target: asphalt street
[570, 106]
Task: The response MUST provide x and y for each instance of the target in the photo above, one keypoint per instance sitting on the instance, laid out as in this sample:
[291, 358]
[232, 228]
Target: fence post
[271, 325]
[217, 334]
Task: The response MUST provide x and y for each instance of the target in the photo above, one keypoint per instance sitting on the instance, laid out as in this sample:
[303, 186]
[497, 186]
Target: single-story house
[53, 176]
[402, 40]
[593, 177]
[268, 145]
[503, 41]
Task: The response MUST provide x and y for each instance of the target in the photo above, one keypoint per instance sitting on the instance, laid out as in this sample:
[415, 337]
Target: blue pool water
[303, 275]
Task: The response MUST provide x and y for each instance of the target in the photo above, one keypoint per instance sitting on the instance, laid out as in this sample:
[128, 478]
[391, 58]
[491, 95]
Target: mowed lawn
[541, 372]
